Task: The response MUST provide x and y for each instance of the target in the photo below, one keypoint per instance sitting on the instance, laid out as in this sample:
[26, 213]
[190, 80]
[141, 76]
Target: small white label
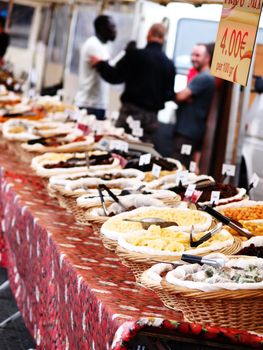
[190, 190]
[192, 167]
[254, 180]
[135, 124]
[186, 149]
[156, 170]
[215, 196]
[114, 115]
[119, 145]
[228, 169]
[137, 132]
[98, 126]
[181, 176]
[103, 144]
[129, 120]
[145, 159]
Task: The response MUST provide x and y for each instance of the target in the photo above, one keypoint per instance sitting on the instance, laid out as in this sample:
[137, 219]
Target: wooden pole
[9, 14]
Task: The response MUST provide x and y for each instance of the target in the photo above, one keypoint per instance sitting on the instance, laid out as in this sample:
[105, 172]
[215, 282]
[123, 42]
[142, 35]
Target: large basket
[241, 309]
[139, 262]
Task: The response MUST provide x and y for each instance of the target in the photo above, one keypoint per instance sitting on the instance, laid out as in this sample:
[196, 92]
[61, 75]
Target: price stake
[215, 196]
[137, 132]
[196, 195]
[129, 120]
[145, 159]
[119, 145]
[181, 176]
[192, 167]
[228, 170]
[156, 170]
[253, 182]
[98, 126]
[135, 124]
[186, 149]
[190, 190]
[114, 115]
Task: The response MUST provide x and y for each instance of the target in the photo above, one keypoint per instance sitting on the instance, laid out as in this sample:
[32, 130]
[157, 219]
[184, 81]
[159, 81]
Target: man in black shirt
[4, 39]
[149, 82]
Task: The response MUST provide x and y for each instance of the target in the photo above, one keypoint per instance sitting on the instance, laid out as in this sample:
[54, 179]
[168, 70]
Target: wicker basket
[240, 309]
[139, 262]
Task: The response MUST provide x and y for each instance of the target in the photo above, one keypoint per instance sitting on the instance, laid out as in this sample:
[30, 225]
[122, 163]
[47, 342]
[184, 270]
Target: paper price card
[186, 149]
[156, 170]
[181, 176]
[119, 145]
[254, 180]
[215, 196]
[145, 159]
[235, 40]
[129, 120]
[228, 169]
[190, 190]
[192, 167]
[137, 132]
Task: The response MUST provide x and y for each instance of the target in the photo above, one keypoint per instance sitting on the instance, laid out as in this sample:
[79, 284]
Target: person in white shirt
[93, 90]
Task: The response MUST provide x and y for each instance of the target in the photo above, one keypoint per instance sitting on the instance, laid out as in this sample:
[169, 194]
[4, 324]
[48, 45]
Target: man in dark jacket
[149, 82]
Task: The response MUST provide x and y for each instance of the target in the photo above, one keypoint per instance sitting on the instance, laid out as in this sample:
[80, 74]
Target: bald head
[156, 33]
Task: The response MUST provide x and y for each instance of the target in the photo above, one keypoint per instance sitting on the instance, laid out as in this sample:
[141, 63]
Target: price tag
[215, 196]
[192, 167]
[254, 180]
[190, 190]
[137, 132]
[235, 40]
[228, 169]
[103, 144]
[196, 195]
[186, 149]
[98, 126]
[119, 145]
[145, 159]
[129, 120]
[114, 115]
[156, 170]
[181, 176]
[135, 124]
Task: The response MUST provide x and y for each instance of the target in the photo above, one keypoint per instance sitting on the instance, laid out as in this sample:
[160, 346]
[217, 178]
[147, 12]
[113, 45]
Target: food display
[158, 241]
[50, 164]
[183, 218]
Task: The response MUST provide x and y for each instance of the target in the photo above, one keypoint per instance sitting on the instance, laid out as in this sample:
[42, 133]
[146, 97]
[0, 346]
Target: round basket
[139, 262]
[234, 309]
[109, 243]
[241, 309]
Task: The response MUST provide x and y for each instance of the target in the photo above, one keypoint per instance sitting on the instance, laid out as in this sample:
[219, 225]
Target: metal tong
[102, 187]
[205, 238]
[226, 221]
[195, 259]
[147, 222]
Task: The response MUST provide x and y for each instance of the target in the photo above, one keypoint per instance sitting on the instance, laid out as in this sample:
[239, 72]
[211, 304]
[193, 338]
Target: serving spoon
[147, 222]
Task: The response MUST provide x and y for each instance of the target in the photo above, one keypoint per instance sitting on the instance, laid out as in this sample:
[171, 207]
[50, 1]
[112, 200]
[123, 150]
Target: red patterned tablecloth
[71, 291]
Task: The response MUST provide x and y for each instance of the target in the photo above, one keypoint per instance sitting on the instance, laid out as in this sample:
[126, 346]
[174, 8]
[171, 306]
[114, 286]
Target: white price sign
[129, 120]
[137, 132]
[135, 124]
[228, 169]
[190, 190]
[186, 149]
[119, 145]
[192, 167]
[254, 180]
[98, 126]
[215, 196]
[156, 170]
[181, 176]
[145, 159]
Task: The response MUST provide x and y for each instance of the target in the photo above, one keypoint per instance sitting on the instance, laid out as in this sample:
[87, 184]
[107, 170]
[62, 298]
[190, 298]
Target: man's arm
[183, 95]
[113, 75]
[170, 84]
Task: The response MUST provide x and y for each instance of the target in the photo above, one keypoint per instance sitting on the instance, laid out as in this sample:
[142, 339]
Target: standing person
[4, 40]
[149, 82]
[93, 91]
[193, 104]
